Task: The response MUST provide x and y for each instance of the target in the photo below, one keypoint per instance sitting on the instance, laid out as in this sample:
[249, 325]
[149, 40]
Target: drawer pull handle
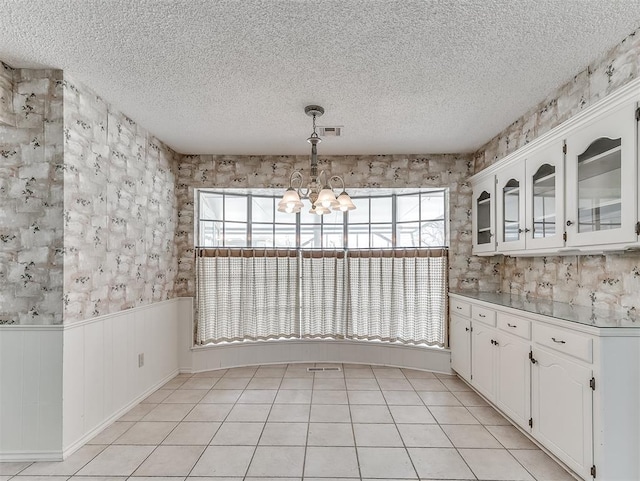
[467, 329]
[481, 315]
[559, 342]
[512, 325]
[459, 308]
[495, 343]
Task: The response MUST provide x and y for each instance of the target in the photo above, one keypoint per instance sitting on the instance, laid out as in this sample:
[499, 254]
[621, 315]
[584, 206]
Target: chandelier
[319, 189]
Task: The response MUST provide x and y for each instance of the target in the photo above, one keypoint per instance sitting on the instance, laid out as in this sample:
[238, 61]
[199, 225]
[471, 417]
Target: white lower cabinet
[573, 387]
[513, 373]
[562, 409]
[460, 343]
[483, 360]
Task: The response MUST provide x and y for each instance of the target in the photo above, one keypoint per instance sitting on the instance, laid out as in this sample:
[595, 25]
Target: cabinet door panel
[601, 180]
[510, 219]
[460, 344]
[483, 352]
[513, 391]
[545, 198]
[483, 216]
[563, 409]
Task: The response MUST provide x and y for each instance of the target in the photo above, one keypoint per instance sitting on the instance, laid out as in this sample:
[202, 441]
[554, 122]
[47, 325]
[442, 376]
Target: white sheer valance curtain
[246, 294]
[398, 295]
[387, 295]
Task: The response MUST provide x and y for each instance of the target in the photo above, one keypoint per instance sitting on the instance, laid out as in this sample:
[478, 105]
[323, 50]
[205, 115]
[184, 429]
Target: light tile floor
[284, 423]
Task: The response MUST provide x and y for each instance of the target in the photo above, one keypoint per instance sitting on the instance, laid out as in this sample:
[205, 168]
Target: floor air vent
[322, 369]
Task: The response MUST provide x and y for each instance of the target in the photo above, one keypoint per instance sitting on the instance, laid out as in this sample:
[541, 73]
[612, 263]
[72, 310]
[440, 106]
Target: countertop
[604, 318]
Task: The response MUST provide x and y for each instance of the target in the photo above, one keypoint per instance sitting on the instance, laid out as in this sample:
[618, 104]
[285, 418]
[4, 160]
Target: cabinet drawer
[565, 341]
[460, 307]
[514, 325]
[482, 314]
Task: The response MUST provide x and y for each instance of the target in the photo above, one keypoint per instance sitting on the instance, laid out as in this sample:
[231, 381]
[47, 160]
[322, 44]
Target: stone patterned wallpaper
[601, 280]
[120, 210]
[31, 200]
[467, 272]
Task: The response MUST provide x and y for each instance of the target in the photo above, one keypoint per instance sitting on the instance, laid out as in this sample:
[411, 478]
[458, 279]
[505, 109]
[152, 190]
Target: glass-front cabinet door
[511, 212]
[483, 216]
[545, 198]
[601, 178]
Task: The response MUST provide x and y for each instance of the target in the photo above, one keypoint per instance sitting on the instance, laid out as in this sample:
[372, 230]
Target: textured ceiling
[233, 77]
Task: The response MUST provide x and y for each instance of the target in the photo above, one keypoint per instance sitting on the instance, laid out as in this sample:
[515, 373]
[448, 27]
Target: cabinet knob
[466, 329]
[527, 229]
[459, 308]
[496, 343]
[512, 325]
[557, 341]
[520, 231]
[481, 315]
[569, 223]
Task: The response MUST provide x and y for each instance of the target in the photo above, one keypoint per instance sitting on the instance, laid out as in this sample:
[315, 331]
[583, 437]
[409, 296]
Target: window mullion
[249, 236]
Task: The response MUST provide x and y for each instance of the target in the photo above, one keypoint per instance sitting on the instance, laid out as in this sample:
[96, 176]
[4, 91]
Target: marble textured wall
[603, 76]
[30, 196]
[600, 280]
[467, 272]
[119, 209]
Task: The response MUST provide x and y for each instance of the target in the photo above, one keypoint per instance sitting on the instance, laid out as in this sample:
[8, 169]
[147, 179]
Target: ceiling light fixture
[319, 189]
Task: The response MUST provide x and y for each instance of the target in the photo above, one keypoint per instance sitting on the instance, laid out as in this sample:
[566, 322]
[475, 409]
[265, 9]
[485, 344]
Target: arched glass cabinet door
[483, 216]
[544, 194]
[601, 180]
[600, 186]
[511, 229]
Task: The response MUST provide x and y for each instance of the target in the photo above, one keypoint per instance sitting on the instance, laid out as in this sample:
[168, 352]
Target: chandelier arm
[336, 177]
[296, 176]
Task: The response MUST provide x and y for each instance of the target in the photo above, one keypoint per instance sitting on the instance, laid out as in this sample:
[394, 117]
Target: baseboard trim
[27, 456]
[72, 448]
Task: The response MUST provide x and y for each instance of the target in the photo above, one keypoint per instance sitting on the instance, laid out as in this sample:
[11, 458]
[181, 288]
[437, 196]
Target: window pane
[333, 217]
[262, 209]
[358, 236]
[235, 208]
[361, 212]
[211, 206]
[235, 234]
[262, 235]
[433, 234]
[381, 209]
[210, 234]
[332, 236]
[432, 205]
[408, 234]
[311, 235]
[285, 235]
[381, 235]
[408, 208]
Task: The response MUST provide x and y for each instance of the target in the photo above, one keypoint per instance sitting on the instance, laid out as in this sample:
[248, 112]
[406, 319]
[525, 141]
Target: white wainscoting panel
[101, 376]
[30, 392]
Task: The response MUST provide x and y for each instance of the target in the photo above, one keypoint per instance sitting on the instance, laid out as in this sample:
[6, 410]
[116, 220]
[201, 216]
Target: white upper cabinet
[601, 166]
[530, 201]
[544, 206]
[573, 190]
[483, 214]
